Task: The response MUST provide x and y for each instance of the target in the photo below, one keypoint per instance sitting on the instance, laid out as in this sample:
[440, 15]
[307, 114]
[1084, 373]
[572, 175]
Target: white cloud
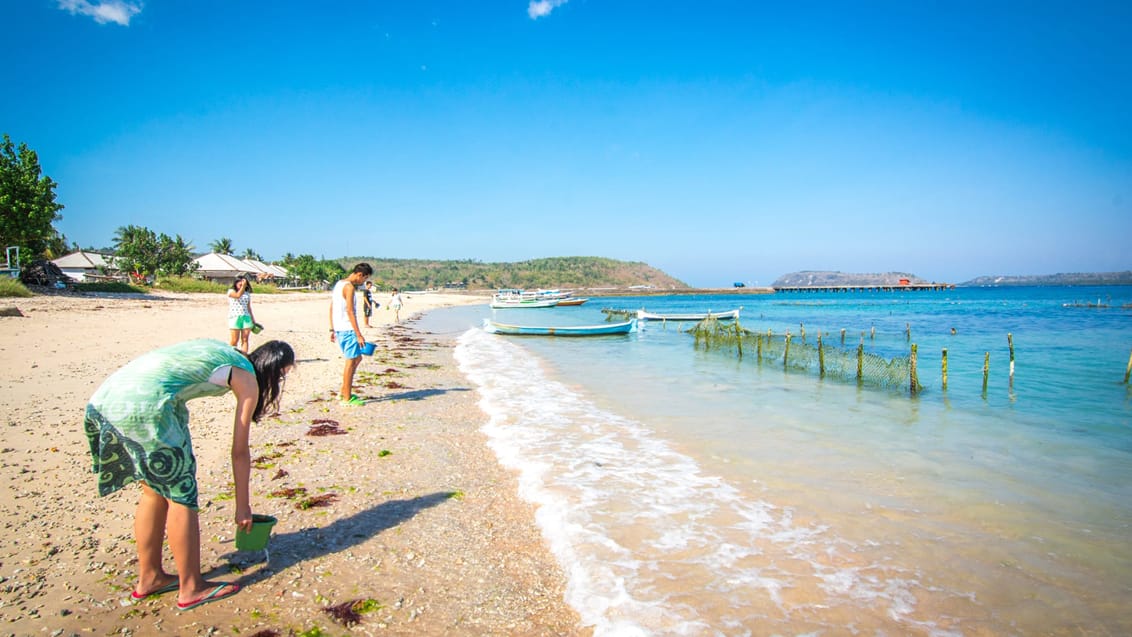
[103, 11]
[539, 8]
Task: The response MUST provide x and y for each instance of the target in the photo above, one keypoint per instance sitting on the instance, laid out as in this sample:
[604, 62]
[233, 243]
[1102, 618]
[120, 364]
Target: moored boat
[573, 300]
[500, 303]
[693, 316]
[563, 330]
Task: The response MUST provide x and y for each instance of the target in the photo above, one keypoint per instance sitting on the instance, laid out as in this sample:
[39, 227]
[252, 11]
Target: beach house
[87, 266]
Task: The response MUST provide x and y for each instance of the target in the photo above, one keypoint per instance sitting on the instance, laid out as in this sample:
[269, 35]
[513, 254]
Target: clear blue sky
[718, 141]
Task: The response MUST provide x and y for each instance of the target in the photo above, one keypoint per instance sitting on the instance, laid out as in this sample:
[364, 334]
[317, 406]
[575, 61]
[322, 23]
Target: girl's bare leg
[184, 540]
[149, 532]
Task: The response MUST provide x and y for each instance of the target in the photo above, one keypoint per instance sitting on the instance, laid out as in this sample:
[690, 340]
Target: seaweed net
[823, 359]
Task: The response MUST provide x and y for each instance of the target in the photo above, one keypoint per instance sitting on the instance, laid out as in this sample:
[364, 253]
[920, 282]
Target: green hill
[553, 272]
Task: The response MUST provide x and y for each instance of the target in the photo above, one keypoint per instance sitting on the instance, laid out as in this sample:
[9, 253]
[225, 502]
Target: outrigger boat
[568, 330]
[501, 303]
[571, 301]
[719, 316]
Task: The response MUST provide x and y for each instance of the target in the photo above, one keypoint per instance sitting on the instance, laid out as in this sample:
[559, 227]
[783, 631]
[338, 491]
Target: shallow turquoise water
[690, 492]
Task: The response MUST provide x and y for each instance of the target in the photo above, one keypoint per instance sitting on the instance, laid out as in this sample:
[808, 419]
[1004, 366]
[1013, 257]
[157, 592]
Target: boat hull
[719, 316]
[568, 330]
[497, 304]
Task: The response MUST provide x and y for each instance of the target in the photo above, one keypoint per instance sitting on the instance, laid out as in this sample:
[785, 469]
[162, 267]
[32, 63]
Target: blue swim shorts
[348, 342]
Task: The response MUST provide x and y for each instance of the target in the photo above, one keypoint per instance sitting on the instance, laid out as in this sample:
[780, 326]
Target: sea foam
[649, 543]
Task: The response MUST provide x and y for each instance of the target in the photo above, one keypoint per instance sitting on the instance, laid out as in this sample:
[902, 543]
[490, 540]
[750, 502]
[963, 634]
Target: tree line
[29, 211]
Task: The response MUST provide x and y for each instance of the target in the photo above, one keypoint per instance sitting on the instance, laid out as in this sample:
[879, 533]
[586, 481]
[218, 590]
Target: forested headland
[552, 272]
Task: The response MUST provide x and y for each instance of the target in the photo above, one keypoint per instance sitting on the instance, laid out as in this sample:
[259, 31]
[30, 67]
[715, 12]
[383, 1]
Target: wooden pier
[897, 287]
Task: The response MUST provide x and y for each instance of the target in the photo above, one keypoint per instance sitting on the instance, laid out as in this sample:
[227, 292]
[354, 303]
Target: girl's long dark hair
[247, 284]
[269, 360]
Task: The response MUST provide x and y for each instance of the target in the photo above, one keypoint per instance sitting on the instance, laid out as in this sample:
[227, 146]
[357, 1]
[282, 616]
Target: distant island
[826, 278]
[1071, 278]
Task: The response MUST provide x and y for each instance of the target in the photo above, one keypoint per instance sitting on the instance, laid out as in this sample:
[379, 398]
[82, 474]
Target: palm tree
[223, 245]
[251, 254]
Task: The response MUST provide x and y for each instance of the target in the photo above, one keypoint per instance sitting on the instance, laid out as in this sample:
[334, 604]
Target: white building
[83, 265]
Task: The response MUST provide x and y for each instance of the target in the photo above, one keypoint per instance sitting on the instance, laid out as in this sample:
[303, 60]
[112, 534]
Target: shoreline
[421, 517]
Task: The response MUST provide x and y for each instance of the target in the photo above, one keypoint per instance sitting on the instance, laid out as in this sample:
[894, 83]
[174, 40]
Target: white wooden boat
[498, 303]
[693, 316]
[565, 330]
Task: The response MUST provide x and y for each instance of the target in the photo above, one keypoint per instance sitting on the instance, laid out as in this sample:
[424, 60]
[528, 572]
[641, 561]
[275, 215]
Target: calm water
[687, 492]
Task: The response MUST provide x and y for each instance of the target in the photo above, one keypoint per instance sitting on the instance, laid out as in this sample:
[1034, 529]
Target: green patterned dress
[137, 422]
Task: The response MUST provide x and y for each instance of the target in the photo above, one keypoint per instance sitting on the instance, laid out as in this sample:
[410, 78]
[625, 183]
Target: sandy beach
[404, 505]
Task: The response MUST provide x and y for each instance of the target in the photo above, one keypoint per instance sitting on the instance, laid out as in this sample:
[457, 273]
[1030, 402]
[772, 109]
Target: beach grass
[13, 288]
[189, 285]
[115, 287]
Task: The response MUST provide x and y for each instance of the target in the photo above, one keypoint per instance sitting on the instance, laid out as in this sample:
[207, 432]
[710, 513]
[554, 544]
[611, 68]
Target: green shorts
[244, 322]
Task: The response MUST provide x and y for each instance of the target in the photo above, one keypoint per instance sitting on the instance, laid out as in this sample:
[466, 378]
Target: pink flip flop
[211, 597]
[168, 588]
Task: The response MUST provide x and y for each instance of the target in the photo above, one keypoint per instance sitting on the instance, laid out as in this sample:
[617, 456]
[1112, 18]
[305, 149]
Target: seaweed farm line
[865, 368]
[686, 490]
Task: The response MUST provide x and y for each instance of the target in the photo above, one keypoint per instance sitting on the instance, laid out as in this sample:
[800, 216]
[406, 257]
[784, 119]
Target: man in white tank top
[344, 328]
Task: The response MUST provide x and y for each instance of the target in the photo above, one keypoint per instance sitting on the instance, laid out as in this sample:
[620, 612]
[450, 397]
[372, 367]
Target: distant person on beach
[240, 317]
[344, 328]
[370, 304]
[137, 425]
[395, 305]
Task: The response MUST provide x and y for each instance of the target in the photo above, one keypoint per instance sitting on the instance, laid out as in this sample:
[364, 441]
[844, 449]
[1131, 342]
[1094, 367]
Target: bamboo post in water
[738, 339]
[860, 359]
[821, 358]
[786, 354]
[913, 381]
[944, 367]
[1010, 342]
[1128, 370]
[843, 337]
[908, 332]
[759, 347]
[802, 328]
[873, 333]
[986, 372]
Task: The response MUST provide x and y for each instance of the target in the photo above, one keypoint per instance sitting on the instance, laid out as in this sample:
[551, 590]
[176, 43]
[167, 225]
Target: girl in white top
[395, 305]
[240, 316]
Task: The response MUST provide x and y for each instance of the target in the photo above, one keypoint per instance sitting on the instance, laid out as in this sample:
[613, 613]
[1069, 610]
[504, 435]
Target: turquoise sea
[688, 492]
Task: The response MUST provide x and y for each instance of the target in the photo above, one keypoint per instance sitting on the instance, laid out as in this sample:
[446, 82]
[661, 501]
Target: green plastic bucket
[256, 539]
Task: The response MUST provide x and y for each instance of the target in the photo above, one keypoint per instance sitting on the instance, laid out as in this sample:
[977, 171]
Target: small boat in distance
[719, 316]
[567, 330]
[500, 303]
[518, 298]
[573, 300]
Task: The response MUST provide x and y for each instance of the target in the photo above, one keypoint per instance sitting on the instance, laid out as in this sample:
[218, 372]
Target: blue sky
[718, 141]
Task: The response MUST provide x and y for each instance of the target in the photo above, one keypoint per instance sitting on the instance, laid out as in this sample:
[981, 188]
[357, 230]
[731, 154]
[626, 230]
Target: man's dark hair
[364, 268]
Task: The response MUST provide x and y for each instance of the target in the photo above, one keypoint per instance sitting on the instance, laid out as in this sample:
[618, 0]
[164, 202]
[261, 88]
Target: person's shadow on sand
[416, 394]
[289, 549]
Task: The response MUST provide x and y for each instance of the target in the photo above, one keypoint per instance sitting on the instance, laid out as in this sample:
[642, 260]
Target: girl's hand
[244, 518]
